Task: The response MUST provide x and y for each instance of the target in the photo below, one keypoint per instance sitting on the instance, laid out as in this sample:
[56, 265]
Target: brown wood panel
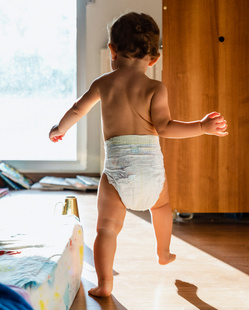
[207, 174]
[190, 59]
[234, 103]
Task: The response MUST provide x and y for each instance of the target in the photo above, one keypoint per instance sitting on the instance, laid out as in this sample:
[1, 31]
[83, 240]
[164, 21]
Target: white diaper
[134, 166]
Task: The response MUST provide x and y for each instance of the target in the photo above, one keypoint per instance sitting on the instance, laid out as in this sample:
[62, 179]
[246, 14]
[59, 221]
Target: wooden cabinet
[206, 68]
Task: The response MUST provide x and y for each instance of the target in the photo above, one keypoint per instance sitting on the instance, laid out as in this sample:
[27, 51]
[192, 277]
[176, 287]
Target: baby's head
[135, 35]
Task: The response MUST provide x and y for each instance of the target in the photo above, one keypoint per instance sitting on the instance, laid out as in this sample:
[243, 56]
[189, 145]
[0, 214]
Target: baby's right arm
[82, 106]
[212, 124]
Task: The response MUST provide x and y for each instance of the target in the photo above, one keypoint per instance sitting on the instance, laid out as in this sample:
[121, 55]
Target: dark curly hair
[135, 35]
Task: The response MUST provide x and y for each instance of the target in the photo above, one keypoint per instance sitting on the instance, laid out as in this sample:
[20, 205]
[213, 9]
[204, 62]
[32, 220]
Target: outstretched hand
[214, 124]
[55, 135]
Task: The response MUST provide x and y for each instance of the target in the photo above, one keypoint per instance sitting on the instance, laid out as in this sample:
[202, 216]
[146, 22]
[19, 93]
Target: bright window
[37, 78]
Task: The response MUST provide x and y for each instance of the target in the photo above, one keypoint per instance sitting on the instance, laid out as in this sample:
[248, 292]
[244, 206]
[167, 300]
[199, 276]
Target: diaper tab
[133, 139]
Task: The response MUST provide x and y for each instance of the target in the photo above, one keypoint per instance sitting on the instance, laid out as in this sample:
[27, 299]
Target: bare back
[125, 102]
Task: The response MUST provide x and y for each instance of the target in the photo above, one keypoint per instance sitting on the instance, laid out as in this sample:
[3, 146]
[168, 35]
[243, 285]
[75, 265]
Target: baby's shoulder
[157, 86]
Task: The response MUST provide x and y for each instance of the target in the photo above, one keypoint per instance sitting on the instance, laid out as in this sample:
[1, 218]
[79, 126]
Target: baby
[135, 113]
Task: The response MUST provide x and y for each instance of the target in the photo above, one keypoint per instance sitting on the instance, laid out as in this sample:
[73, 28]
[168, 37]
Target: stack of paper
[13, 178]
[81, 183]
[3, 192]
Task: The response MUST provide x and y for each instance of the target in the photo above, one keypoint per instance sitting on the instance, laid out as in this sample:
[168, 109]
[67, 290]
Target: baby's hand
[55, 135]
[214, 124]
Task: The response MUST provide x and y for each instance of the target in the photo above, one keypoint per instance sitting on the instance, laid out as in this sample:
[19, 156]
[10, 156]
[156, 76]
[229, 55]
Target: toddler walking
[135, 113]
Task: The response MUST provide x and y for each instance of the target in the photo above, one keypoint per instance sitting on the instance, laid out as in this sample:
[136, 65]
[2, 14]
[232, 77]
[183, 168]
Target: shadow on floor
[88, 255]
[189, 292]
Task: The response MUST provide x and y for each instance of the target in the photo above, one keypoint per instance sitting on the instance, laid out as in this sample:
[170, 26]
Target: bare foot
[166, 259]
[104, 289]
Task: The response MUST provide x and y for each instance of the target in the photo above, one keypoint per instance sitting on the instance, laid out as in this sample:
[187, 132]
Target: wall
[98, 16]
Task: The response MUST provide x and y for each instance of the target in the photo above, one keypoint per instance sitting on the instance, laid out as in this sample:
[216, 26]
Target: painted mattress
[43, 256]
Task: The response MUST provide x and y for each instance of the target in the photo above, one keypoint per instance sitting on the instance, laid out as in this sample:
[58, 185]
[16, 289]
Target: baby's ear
[113, 51]
[153, 61]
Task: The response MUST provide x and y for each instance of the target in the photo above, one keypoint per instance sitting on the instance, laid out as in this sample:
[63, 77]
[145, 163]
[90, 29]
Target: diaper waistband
[133, 139]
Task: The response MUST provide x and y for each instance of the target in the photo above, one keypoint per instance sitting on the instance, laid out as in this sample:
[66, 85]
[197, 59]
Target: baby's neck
[134, 64]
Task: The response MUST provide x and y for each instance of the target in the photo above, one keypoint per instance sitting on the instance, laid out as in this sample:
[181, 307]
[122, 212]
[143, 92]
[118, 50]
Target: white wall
[98, 16]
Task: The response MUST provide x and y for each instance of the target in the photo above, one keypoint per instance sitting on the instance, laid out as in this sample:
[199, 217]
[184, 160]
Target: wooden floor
[211, 270]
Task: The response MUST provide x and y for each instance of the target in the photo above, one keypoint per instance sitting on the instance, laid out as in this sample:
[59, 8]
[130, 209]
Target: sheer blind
[37, 77]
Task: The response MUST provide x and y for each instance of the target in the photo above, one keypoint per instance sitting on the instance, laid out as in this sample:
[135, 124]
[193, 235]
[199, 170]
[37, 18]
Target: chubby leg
[162, 222]
[111, 215]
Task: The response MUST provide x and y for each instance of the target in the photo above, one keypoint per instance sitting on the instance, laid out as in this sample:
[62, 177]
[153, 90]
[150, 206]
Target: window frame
[81, 163]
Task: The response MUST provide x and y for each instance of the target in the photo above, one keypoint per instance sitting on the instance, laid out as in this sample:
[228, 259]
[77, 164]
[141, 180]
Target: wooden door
[206, 68]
